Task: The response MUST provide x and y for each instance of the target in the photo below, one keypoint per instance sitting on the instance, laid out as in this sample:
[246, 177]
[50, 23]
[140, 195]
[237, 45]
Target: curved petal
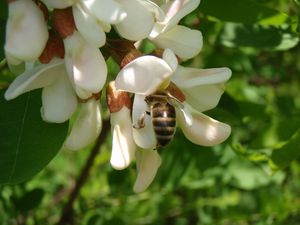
[123, 147]
[154, 8]
[185, 42]
[170, 58]
[87, 126]
[143, 137]
[177, 10]
[143, 75]
[59, 100]
[109, 11]
[38, 77]
[88, 26]
[202, 87]
[58, 4]
[187, 77]
[86, 64]
[203, 130]
[25, 23]
[148, 163]
[138, 15]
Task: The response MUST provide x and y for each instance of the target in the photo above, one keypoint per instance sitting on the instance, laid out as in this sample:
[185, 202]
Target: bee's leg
[141, 121]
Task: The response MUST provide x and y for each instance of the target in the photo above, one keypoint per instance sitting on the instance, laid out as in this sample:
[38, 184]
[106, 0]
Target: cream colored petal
[58, 4]
[26, 31]
[109, 11]
[143, 75]
[170, 58]
[87, 126]
[203, 130]
[85, 65]
[138, 15]
[187, 77]
[59, 100]
[88, 26]
[202, 87]
[185, 42]
[154, 9]
[177, 10]
[123, 147]
[148, 162]
[143, 137]
[38, 77]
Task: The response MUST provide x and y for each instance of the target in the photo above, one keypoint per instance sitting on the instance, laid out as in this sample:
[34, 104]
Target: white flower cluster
[66, 62]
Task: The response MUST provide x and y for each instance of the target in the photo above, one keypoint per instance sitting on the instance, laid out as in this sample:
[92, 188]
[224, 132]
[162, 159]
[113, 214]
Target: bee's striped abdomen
[164, 122]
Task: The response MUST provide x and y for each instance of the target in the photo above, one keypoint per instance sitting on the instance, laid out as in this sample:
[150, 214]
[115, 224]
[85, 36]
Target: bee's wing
[175, 102]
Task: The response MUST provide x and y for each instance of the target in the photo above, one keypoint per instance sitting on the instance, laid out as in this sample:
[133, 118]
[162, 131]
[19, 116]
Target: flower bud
[117, 99]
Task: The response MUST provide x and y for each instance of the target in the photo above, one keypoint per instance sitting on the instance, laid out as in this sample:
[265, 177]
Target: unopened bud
[63, 22]
[116, 99]
[54, 48]
[176, 92]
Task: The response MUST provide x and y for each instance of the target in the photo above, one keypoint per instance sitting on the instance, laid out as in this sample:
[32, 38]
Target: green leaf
[284, 155]
[27, 144]
[242, 11]
[3, 10]
[2, 38]
[29, 200]
[259, 37]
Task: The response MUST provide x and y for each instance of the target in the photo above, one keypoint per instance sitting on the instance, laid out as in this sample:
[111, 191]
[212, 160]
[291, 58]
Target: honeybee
[163, 114]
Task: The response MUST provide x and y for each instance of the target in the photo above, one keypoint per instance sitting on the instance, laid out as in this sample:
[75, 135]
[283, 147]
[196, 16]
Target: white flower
[58, 97]
[87, 126]
[85, 65]
[25, 22]
[185, 42]
[143, 76]
[92, 17]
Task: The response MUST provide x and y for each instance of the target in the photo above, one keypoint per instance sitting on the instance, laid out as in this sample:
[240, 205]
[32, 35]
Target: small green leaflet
[27, 143]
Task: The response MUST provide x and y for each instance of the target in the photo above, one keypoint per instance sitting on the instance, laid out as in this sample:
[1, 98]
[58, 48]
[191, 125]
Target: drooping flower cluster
[66, 62]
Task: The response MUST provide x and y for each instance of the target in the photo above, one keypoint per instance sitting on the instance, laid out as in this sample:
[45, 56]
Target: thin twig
[67, 213]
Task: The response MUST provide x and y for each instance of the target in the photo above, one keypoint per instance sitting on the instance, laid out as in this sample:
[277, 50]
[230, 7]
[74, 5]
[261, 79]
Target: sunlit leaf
[27, 144]
[284, 155]
[245, 11]
[259, 37]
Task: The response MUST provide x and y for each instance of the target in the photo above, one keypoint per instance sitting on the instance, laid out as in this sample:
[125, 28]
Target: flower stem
[67, 212]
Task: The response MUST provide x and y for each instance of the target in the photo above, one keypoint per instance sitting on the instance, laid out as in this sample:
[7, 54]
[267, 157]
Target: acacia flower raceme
[25, 22]
[166, 33]
[144, 76]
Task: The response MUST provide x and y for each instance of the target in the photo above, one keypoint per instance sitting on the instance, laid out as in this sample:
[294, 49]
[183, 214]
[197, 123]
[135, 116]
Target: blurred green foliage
[252, 178]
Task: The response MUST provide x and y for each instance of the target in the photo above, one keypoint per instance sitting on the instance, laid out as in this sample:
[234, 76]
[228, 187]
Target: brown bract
[176, 92]
[117, 99]
[63, 21]
[9, 1]
[54, 47]
[133, 54]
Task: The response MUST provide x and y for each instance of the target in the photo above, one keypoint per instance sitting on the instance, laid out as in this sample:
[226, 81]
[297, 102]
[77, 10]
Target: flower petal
[88, 26]
[143, 75]
[86, 65]
[109, 11]
[185, 42]
[59, 100]
[123, 147]
[138, 15]
[38, 77]
[202, 87]
[58, 4]
[177, 10]
[143, 137]
[187, 77]
[87, 126]
[203, 130]
[170, 58]
[148, 163]
[25, 23]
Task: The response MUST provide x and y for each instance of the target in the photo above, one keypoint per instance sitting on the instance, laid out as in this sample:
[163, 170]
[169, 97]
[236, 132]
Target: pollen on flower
[117, 99]
[63, 21]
